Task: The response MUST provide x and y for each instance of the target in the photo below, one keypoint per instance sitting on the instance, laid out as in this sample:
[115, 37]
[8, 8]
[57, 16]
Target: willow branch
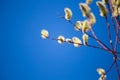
[110, 66]
[92, 46]
[111, 10]
[115, 26]
[99, 48]
[94, 36]
[117, 39]
[117, 69]
[109, 34]
[101, 43]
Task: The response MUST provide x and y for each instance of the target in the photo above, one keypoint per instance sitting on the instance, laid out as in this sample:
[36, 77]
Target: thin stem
[110, 66]
[110, 10]
[66, 20]
[84, 45]
[115, 27]
[117, 69]
[94, 36]
[111, 51]
[101, 43]
[109, 34]
[99, 48]
[117, 37]
[97, 40]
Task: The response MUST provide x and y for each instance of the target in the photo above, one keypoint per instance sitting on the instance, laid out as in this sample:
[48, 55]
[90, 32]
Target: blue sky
[24, 55]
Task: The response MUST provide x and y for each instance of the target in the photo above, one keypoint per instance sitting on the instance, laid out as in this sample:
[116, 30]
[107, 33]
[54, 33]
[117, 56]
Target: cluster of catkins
[87, 24]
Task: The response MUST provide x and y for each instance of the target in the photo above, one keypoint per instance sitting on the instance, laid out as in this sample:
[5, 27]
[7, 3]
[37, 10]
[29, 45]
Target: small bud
[102, 7]
[68, 40]
[61, 39]
[44, 34]
[101, 71]
[85, 39]
[78, 25]
[76, 41]
[86, 26]
[85, 9]
[110, 41]
[68, 13]
[92, 18]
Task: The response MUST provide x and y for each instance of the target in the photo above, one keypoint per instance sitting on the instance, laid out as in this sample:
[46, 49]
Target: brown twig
[94, 36]
[117, 69]
[101, 43]
[110, 67]
[109, 33]
[117, 26]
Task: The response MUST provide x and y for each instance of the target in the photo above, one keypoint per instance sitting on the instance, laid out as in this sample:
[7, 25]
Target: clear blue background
[24, 55]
